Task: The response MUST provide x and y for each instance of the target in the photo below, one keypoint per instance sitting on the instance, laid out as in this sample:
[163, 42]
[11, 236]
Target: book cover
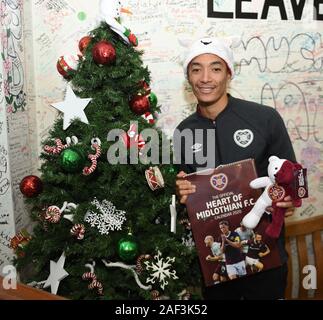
[226, 249]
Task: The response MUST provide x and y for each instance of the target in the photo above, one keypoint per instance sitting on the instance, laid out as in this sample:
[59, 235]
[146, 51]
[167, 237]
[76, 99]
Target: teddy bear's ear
[273, 158]
[298, 166]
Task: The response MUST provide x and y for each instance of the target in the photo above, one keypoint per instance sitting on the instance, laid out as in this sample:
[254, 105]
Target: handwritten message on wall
[6, 209]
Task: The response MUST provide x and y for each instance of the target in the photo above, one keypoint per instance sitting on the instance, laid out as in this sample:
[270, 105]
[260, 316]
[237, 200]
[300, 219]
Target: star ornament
[57, 274]
[72, 107]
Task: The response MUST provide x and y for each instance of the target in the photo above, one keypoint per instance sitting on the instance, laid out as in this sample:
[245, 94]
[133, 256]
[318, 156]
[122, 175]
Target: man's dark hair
[224, 222]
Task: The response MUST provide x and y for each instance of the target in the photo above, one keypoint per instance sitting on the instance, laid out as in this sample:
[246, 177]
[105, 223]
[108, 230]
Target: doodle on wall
[13, 73]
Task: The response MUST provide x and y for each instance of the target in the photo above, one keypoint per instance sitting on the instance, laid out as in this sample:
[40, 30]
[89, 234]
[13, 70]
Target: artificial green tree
[143, 215]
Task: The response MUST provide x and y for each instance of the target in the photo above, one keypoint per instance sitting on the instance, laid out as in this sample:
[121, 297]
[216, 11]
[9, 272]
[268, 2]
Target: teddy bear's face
[274, 166]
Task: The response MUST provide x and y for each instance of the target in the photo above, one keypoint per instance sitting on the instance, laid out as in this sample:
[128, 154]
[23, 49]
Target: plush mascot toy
[285, 178]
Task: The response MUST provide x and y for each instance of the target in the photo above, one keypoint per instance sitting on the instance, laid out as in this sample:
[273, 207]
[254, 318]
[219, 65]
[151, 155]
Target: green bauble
[153, 100]
[127, 248]
[72, 160]
[172, 170]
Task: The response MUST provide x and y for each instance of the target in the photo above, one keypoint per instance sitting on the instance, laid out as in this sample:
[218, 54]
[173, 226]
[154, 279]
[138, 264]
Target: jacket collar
[199, 115]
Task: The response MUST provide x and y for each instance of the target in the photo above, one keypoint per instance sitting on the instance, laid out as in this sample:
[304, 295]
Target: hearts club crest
[219, 181]
[243, 138]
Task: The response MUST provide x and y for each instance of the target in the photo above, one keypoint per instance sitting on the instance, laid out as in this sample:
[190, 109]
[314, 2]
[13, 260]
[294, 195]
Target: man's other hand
[183, 187]
[287, 203]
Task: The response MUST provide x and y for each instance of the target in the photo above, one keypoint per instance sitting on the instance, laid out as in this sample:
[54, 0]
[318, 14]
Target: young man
[257, 250]
[244, 234]
[225, 129]
[220, 272]
[235, 262]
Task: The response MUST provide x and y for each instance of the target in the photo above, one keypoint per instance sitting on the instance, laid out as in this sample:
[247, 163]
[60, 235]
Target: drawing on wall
[13, 72]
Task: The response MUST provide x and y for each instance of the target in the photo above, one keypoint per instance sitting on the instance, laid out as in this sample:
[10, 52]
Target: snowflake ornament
[160, 270]
[109, 219]
[188, 240]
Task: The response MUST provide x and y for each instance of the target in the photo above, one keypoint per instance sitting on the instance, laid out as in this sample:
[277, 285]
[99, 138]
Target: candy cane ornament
[78, 230]
[60, 146]
[148, 117]
[89, 276]
[53, 214]
[94, 284]
[142, 257]
[96, 145]
[57, 149]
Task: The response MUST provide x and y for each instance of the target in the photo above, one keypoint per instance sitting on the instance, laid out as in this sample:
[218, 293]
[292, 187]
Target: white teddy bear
[280, 182]
[285, 178]
[252, 219]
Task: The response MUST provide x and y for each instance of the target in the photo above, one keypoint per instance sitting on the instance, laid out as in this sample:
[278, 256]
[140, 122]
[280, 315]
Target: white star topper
[72, 107]
[57, 274]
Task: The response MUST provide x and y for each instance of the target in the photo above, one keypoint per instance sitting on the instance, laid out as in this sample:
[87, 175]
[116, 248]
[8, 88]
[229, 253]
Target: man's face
[258, 238]
[208, 241]
[224, 228]
[209, 76]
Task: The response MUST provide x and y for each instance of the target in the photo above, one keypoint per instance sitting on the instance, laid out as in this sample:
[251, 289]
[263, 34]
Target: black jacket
[242, 130]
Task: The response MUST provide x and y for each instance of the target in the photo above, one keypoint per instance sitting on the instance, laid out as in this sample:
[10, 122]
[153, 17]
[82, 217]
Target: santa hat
[210, 45]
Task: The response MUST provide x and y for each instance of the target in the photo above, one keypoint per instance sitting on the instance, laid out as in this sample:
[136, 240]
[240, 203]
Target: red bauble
[104, 52]
[31, 186]
[139, 104]
[84, 42]
[67, 63]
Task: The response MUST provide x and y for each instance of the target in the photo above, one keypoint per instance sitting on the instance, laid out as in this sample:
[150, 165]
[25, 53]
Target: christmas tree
[104, 228]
